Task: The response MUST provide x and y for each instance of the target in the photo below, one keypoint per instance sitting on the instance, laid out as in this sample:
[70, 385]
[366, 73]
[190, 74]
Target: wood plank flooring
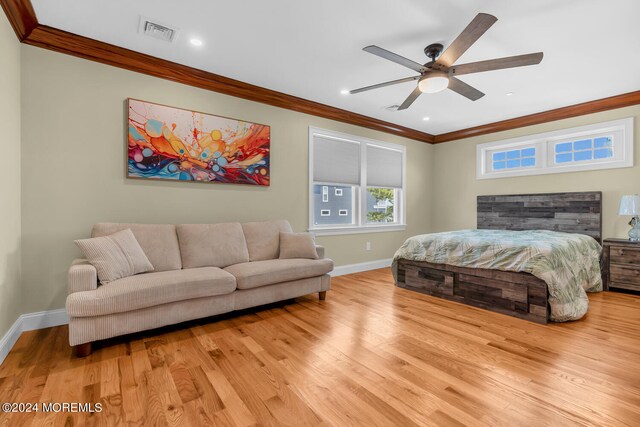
[371, 354]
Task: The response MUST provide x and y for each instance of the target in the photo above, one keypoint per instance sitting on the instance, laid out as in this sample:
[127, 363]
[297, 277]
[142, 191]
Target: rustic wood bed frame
[516, 294]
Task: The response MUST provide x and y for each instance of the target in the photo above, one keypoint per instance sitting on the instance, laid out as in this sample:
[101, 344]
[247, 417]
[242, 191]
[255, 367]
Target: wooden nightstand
[621, 264]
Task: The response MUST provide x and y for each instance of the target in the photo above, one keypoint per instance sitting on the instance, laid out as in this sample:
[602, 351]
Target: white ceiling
[313, 49]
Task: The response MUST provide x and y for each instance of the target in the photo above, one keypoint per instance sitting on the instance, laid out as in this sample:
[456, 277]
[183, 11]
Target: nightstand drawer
[624, 274]
[620, 255]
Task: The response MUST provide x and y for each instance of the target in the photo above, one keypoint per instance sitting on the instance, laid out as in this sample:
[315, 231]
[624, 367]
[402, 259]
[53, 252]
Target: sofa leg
[82, 350]
[323, 295]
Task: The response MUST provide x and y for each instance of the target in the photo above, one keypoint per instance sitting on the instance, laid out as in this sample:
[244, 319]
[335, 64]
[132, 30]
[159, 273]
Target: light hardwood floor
[371, 354]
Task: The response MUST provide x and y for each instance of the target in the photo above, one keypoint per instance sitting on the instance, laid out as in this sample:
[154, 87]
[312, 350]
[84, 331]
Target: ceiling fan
[439, 73]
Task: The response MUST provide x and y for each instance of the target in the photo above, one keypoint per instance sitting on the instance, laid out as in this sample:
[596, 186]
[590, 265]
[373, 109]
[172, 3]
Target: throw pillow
[297, 245]
[115, 256]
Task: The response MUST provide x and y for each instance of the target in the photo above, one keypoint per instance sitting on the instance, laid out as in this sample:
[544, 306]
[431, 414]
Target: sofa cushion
[263, 238]
[158, 241]
[150, 289]
[116, 256]
[298, 245]
[212, 245]
[254, 274]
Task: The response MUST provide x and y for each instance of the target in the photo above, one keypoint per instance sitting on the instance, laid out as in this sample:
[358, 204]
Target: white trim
[358, 193]
[30, 322]
[335, 230]
[545, 143]
[341, 270]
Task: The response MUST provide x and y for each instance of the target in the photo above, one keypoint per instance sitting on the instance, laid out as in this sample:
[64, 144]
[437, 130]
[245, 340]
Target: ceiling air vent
[157, 31]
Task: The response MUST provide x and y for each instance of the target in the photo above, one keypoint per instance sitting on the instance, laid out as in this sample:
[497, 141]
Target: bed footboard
[515, 294]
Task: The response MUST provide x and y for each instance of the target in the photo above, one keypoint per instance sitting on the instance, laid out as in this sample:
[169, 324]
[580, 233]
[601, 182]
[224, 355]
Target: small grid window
[511, 159]
[343, 212]
[584, 149]
[597, 146]
[325, 212]
[339, 192]
[325, 194]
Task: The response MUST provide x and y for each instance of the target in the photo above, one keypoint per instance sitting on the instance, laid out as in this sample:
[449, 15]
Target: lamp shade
[630, 205]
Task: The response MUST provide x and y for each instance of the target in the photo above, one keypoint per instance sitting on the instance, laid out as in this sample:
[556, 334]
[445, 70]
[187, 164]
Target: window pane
[513, 163]
[380, 203]
[529, 161]
[584, 144]
[332, 211]
[513, 154]
[499, 156]
[529, 152]
[499, 165]
[564, 147]
[563, 158]
[582, 155]
[603, 142]
[603, 153]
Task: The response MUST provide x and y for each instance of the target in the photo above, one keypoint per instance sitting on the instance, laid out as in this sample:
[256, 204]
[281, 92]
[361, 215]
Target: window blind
[384, 167]
[336, 161]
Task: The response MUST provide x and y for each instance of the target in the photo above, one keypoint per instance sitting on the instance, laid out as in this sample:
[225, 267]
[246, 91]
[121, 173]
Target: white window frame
[325, 194]
[359, 207]
[343, 212]
[338, 192]
[622, 130]
[322, 212]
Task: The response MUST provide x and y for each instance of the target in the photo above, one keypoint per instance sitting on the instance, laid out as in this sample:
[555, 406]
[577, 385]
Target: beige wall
[455, 185]
[10, 182]
[73, 169]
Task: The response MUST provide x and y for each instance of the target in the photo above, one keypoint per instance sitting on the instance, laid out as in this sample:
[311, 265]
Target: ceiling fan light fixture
[433, 82]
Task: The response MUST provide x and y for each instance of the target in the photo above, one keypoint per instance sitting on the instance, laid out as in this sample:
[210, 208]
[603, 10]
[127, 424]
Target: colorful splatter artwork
[175, 144]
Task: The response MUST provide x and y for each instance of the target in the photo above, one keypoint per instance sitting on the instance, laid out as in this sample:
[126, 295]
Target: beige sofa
[200, 270]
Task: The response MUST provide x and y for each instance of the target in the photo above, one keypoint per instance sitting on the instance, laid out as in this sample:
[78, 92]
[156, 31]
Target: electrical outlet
[368, 246]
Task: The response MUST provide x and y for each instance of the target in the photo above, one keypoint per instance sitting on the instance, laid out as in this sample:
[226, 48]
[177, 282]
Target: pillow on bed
[115, 256]
[297, 245]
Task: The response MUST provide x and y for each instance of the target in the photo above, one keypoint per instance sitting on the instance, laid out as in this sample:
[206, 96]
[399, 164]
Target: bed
[533, 256]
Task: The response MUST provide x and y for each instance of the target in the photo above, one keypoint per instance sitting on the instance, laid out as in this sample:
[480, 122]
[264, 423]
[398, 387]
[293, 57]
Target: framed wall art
[168, 143]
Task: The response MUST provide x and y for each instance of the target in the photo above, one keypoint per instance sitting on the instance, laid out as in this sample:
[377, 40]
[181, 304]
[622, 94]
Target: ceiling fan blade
[464, 89]
[394, 57]
[407, 102]
[496, 64]
[392, 82]
[480, 24]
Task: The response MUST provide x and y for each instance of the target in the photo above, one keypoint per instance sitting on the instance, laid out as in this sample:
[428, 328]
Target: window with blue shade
[513, 159]
[582, 150]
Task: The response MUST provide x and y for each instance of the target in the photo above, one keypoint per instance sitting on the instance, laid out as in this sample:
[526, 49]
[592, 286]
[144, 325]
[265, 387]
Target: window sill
[326, 231]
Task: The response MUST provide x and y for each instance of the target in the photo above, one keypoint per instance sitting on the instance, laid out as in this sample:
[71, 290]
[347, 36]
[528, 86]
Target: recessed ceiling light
[344, 92]
[426, 119]
[509, 93]
[196, 42]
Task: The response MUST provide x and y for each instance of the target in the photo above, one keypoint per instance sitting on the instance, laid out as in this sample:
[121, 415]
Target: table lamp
[630, 205]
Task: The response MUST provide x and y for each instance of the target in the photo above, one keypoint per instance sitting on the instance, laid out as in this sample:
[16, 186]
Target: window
[600, 146]
[364, 181]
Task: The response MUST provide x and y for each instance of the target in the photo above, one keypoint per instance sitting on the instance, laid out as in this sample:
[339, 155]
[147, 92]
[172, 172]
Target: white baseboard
[29, 322]
[47, 319]
[363, 266]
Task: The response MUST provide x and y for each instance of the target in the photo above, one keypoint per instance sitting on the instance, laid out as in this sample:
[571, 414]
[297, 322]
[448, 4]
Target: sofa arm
[82, 276]
[320, 251]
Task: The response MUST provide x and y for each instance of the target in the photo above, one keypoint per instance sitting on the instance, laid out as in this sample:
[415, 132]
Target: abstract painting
[175, 144]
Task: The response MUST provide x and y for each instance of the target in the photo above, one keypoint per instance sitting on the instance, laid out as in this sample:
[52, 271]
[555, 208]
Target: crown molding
[604, 104]
[21, 16]
[23, 19]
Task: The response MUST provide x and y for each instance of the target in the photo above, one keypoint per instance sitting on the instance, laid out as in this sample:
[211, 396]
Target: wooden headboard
[567, 212]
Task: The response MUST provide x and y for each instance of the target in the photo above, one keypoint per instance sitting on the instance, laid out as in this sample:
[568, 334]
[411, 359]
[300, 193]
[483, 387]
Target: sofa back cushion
[263, 238]
[158, 241]
[212, 245]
